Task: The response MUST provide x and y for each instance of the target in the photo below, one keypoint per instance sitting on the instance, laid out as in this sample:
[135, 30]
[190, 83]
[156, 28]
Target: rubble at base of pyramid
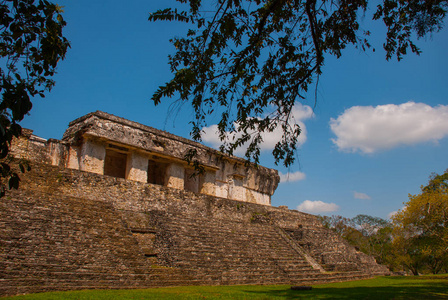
[104, 144]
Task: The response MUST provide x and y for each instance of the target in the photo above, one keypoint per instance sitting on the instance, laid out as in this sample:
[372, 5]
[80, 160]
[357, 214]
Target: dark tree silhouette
[31, 45]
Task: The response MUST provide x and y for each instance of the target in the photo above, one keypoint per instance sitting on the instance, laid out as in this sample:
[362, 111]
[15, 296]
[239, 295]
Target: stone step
[240, 256]
[216, 259]
[225, 246]
[247, 268]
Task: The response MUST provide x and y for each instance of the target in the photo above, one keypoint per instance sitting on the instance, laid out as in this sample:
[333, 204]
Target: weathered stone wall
[225, 176]
[67, 229]
[39, 150]
[92, 157]
[105, 144]
[55, 242]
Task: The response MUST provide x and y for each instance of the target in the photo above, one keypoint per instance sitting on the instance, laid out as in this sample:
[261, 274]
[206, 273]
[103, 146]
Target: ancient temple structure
[108, 145]
[113, 205]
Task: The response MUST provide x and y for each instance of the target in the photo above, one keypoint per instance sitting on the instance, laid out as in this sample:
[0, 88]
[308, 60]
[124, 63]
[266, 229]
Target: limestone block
[137, 167]
[176, 173]
[74, 154]
[92, 157]
[262, 179]
[236, 189]
[208, 185]
[221, 189]
[19, 147]
[257, 197]
[57, 153]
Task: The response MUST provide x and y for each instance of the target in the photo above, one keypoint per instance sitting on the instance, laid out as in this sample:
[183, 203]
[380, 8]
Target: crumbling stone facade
[108, 145]
[68, 229]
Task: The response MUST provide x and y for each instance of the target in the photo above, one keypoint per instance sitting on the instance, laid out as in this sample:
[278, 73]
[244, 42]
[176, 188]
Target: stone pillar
[175, 174]
[57, 153]
[137, 167]
[230, 187]
[221, 189]
[238, 191]
[74, 154]
[208, 184]
[92, 157]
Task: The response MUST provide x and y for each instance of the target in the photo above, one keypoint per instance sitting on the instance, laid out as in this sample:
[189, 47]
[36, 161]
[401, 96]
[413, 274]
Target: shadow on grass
[421, 277]
[434, 291]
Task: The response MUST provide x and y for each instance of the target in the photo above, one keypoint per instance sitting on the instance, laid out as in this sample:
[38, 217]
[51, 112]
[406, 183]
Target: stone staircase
[230, 252]
[332, 252]
[235, 253]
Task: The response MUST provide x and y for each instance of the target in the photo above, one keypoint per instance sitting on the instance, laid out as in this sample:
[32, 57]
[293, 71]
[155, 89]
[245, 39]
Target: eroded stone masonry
[113, 205]
[108, 145]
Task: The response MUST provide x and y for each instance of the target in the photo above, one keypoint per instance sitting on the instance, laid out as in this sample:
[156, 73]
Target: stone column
[137, 167]
[230, 187]
[221, 189]
[208, 183]
[74, 155]
[175, 174]
[238, 189]
[92, 157]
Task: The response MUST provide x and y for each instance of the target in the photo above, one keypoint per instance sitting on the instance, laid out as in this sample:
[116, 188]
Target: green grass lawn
[396, 287]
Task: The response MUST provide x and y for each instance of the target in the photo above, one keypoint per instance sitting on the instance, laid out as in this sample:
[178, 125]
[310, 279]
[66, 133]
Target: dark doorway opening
[157, 172]
[192, 181]
[115, 163]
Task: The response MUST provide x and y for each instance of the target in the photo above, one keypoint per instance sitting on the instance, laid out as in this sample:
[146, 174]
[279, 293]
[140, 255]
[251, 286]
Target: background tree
[417, 238]
[421, 228]
[251, 60]
[371, 235]
[338, 224]
[437, 182]
[407, 251]
[31, 45]
[376, 233]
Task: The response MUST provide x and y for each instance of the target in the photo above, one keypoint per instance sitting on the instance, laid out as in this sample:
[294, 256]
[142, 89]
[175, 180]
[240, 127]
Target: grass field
[399, 287]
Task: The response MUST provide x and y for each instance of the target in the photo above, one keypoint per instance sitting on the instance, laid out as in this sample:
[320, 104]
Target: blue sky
[378, 129]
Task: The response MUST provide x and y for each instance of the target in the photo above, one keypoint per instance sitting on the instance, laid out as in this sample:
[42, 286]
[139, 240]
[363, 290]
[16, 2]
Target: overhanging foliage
[31, 45]
[251, 60]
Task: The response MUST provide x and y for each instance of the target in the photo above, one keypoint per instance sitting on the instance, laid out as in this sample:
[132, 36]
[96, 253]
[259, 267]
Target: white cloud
[391, 214]
[369, 129]
[291, 177]
[317, 207]
[299, 114]
[358, 195]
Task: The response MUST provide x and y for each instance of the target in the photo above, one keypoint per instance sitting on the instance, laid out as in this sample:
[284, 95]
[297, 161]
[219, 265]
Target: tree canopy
[31, 45]
[421, 227]
[437, 182]
[250, 61]
[371, 235]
